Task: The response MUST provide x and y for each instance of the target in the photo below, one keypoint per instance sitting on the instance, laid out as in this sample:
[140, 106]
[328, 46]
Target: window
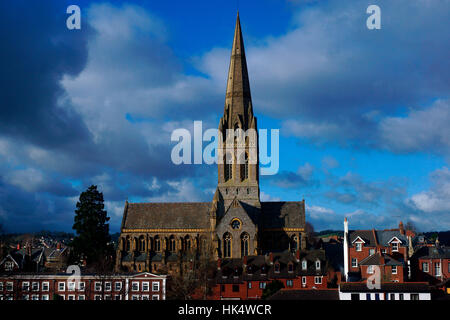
[45, 286]
[118, 286]
[71, 286]
[354, 263]
[414, 296]
[228, 167]
[394, 269]
[317, 280]
[1, 286]
[145, 297]
[394, 247]
[9, 266]
[117, 297]
[425, 267]
[437, 269]
[135, 286]
[392, 296]
[383, 250]
[289, 283]
[400, 296]
[358, 246]
[9, 286]
[227, 245]
[157, 244]
[97, 297]
[35, 286]
[235, 288]
[81, 286]
[98, 286]
[35, 297]
[304, 265]
[277, 267]
[304, 280]
[135, 297]
[81, 297]
[172, 244]
[44, 297]
[370, 269]
[262, 285]
[25, 286]
[290, 268]
[145, 286]
[155, 286]
[108, 286]
[355, 296]
[244, 244]
[249, 284]
[61, 286]
[368, 296]
[71, 297]
[371, 251]
[108, 297]
[155, 297]
[318, 265]
[26, 297]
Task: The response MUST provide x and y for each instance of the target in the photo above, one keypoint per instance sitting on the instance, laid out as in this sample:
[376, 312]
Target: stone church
[155, 236]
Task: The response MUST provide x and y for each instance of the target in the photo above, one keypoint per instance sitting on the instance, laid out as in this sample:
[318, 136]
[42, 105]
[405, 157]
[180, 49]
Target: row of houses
[138, 286]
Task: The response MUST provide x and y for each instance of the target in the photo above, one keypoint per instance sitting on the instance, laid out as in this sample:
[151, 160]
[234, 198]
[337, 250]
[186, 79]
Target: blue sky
[363, 114]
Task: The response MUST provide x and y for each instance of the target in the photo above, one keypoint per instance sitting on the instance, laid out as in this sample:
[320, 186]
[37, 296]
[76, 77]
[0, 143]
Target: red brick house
[138, 286]
[387, 249]
[432, 264]
[242, 279]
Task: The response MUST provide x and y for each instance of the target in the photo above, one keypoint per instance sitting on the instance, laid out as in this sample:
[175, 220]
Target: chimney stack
[58, 246]
[18, 246]
[219, 263]
[346, 249]
[401, 228]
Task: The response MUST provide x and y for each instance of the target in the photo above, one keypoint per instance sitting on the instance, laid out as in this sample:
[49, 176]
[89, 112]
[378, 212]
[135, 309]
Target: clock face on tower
[236, 224]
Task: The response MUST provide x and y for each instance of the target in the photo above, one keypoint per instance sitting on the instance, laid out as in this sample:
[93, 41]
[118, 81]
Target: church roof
[283, 214]
[173, 215]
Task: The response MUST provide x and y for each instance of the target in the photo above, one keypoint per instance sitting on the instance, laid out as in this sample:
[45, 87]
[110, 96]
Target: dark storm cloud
[37, 50]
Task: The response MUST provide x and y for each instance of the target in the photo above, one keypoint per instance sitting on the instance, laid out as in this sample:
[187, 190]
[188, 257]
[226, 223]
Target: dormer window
[318, 265]
[290, 267]
[263, 269]
[277, 267]
[304, 265]
[358, 246]
[394, 247]
[249, 270]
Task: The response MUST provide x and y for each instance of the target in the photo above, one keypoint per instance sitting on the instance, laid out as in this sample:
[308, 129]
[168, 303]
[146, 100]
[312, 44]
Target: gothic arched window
[227, 245]
[294, 243]
[228, 167]
[244, 167]
[157, 244]
[172, 244]
[244, 244]
[187, 243]
[141, 244]
[128, 244]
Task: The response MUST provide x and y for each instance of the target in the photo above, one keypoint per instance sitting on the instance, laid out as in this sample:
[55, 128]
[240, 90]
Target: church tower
[238, 156]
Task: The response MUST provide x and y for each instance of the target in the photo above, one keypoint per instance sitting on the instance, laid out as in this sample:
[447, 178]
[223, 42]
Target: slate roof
[283, 214]
[260, 267]
[433, 253]
[375, 260]
[328, 294]
[366, 235]
[384, 236]
[166, 215]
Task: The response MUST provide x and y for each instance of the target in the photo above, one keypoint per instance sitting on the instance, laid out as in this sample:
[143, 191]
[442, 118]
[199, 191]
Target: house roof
[283, 214]
[375, 260]
[366, 235]
[175, 215]
[324, 294]
[433, 253]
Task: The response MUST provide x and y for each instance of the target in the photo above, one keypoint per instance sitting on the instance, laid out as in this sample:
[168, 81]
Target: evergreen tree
[92, 241]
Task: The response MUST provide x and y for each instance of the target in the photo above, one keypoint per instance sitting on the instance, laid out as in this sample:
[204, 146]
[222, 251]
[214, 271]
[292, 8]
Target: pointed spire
[238, 96]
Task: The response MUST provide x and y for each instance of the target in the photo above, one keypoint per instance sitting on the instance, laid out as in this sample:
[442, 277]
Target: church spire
[238, 98]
